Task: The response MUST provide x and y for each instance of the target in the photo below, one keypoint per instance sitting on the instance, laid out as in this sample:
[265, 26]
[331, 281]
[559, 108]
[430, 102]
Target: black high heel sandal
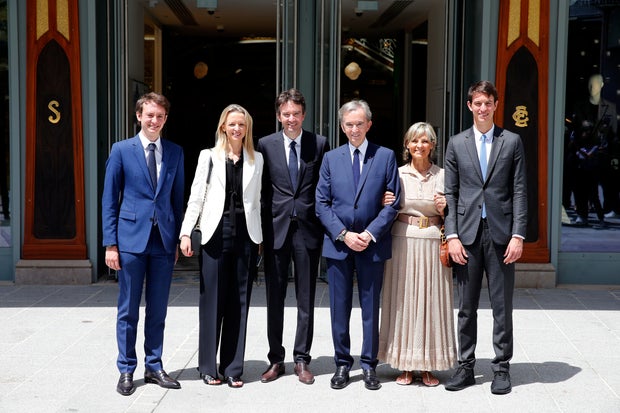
[234, 382]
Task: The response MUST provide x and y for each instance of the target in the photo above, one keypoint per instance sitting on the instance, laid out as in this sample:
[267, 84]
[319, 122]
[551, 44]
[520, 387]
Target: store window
[591, 181]
[5, 213]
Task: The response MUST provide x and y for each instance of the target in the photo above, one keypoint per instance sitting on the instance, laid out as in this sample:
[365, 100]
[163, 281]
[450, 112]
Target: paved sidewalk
[58, 351]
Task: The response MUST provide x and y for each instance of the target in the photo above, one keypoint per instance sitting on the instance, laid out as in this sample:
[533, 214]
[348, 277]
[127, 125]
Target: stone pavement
[58, 351]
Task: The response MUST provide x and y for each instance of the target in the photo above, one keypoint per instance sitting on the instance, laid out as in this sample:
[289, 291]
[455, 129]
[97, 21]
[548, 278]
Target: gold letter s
[52, 107]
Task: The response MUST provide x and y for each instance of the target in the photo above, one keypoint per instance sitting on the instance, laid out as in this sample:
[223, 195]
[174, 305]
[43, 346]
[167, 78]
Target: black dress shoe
[340, 379]
[273, 372]
[125, 384]
[161, 378]
[463, 377]
[501, 383]
[370, 379]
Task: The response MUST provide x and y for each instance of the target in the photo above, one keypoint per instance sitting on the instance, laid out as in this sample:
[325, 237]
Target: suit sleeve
[519, 190]
[324, 198]
[451, 189]
[383, 222]
[178, 192]
[112, 191]
[197, 192]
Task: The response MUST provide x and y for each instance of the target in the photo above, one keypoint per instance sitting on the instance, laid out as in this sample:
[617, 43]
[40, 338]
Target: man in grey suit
[485, 223]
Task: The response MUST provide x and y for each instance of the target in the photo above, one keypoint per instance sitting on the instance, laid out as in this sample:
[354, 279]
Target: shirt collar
[145, 141]
[489, 134]
[287, 140]
[362, 148]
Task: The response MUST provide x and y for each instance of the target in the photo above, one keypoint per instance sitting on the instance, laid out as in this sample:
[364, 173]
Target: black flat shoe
[234, 382]
[162, 379]
[340, 379]
[370, 379]
[125, 384]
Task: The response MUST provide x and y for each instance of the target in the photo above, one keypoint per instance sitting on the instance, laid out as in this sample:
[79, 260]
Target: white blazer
[213, 208]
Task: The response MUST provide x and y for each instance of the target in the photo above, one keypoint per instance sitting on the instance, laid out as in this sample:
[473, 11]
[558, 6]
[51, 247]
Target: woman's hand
[388, 198]
[186, 246]
[440, 202]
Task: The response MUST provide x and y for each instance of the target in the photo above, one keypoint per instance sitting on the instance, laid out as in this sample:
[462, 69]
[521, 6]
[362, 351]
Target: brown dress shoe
[273, 372]
[304, 374]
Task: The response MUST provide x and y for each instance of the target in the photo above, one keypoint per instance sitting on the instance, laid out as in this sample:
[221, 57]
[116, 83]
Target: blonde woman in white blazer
[231, 233]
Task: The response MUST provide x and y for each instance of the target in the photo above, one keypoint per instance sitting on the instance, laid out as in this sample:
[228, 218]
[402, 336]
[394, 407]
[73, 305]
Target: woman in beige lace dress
[417, 330]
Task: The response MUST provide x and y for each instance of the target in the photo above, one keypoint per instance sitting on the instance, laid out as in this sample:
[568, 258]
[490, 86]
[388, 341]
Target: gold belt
[421, 222]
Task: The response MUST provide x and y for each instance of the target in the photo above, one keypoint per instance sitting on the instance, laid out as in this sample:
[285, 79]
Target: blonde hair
[416, 131]
[220, 135]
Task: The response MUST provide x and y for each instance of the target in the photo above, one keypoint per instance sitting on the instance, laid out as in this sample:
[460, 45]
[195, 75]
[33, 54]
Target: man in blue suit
[349, 203]
[142, 210]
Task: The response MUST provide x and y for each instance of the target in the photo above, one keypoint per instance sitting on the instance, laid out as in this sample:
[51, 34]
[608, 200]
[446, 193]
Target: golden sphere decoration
[352, 71]
[200, 70]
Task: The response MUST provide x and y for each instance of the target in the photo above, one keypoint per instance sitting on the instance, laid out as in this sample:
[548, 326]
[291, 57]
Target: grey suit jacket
[504, 191]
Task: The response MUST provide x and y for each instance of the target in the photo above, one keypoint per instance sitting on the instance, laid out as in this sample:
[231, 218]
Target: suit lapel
[248, 170]
[367, 163]
[138, 151]
[470, 146]
[496, 147]
[307, 154]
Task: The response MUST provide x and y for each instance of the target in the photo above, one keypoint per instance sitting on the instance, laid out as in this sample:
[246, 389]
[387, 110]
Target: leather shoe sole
[340, 379]
[273, 372]
[162, 379]
[125, 384]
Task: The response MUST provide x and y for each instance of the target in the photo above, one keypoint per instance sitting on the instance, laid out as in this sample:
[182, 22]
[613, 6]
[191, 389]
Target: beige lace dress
[417, 316]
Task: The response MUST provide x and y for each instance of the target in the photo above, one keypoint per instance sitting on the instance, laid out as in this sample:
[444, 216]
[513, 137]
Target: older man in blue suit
[142, 210]
[349, 202]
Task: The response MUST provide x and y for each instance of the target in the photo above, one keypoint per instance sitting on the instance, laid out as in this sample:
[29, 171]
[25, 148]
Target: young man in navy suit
[291, 230]
[485, 223]
[142, 210]
[349, 202]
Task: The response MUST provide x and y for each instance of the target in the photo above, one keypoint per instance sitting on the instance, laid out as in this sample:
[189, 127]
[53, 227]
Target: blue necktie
[483, 167]
[150, 162]
[356, 167]
[292, 165]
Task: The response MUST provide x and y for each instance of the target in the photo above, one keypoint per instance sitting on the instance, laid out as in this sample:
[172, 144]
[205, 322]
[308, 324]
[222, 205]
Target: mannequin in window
[595, 125]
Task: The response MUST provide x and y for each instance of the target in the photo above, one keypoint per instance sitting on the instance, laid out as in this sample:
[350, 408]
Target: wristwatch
[340, 236]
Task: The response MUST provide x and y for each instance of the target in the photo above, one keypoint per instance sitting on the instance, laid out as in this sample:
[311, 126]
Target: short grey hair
[355, 105]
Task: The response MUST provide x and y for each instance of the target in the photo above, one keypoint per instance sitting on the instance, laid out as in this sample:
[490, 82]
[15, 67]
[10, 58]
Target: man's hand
[112, 259]
[514, 250]
[456, 251]
[357, 242]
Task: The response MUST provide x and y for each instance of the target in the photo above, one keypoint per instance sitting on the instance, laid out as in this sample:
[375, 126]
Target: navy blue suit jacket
[339, 205]
[129, 200]
[279, 198]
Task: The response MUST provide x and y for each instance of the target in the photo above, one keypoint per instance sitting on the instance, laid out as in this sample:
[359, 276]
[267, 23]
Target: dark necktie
[356, 167]
[483, 167]
[150, 162]
[292, 165]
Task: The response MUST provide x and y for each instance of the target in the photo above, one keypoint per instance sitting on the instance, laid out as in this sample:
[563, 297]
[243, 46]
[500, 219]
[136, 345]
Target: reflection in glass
[591, 181]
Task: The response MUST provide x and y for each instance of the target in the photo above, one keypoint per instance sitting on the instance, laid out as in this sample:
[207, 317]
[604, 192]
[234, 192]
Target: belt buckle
[423, 222]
